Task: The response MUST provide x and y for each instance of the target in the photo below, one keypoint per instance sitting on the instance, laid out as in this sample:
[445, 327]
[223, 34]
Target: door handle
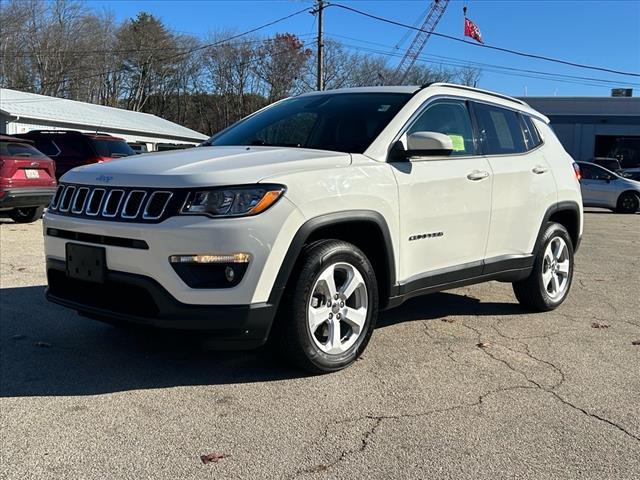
[478, 175]
[539, 169]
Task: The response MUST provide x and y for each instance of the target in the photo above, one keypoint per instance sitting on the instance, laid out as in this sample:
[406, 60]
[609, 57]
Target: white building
[21, 112]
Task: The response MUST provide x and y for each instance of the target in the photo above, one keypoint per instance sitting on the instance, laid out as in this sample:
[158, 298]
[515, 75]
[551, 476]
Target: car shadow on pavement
[46, 350]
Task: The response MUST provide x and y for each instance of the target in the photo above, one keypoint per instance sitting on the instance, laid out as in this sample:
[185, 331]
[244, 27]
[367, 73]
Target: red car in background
[70, 148]
[27, 180]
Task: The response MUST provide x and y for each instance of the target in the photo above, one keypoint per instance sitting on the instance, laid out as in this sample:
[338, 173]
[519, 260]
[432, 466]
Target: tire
[301, 334]
[550, 280]
[26, 215]
[628, 202]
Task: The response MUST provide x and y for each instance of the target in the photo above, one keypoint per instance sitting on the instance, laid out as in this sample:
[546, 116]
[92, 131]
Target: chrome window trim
[145, 215]
[106, 203]
[93, 192]
[75, 197]
[124, 206]
[70, 190]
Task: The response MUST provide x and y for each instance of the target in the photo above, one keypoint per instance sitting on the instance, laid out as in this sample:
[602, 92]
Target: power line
[495, 68]
[482, 45]
[458, 62]
[27, 53]
[192, 50]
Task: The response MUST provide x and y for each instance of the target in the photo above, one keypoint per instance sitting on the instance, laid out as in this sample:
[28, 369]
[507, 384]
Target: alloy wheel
[556, 268]
[338, 308]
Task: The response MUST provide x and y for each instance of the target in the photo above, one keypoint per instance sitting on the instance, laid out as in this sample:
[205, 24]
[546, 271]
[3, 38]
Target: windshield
[343, 122]
[112, 148]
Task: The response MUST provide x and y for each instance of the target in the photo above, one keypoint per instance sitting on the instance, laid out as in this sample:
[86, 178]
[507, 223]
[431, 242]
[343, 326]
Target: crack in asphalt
[550, 390]
[377, 421]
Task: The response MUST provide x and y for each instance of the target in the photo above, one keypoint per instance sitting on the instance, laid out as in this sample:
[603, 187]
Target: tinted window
[73, 146]
[47, 146]
[112, 148]
[531, 135]
[593, 172]
[16, 149]
[450, 117]
[345, 122]
[500, 130]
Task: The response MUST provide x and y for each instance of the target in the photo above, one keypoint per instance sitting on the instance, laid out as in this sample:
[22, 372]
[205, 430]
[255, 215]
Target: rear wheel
[548, 285]
[330, 307]
[26, 215]
[628, 202]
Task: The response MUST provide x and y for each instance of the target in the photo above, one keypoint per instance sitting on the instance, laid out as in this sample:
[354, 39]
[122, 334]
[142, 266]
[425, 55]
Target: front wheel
[330, 307]
[26, 215]
[548, 284]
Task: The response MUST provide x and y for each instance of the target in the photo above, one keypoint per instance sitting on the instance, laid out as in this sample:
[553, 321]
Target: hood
[205, 166]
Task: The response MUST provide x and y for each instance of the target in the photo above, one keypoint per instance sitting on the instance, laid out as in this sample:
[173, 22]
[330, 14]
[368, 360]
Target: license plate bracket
[87, 263]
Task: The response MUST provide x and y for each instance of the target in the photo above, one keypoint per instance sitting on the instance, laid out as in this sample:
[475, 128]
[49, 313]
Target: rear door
[523, 185]
[445, 201]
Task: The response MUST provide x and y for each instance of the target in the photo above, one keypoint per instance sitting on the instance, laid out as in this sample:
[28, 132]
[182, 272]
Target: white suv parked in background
[303, 220]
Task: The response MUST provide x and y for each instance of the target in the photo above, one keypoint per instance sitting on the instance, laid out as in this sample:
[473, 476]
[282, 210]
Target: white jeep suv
[302, 221]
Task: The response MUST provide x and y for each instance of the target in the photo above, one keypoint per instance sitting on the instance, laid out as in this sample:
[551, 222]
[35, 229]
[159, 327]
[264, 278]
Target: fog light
[226, 258]
[229, 274]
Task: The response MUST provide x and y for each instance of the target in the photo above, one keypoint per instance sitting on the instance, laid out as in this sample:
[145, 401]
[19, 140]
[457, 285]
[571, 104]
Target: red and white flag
[472, 30]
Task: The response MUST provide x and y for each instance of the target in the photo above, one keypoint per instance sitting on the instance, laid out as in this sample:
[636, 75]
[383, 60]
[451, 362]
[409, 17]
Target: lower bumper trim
[27, 197]
[136, 299]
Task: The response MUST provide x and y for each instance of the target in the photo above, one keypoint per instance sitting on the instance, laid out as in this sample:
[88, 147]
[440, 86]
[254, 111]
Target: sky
[594, 32]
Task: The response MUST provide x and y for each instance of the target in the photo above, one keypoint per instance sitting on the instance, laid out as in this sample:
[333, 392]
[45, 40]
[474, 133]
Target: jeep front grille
[117, 203]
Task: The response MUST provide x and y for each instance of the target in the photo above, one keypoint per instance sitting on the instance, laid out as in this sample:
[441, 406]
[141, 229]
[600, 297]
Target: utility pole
[319, 9]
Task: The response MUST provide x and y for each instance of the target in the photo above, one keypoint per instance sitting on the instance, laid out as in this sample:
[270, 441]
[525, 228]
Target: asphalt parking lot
[461, 384]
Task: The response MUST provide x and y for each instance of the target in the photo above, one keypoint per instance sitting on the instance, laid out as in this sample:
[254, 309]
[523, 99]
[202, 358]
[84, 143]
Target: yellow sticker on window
[458, 142]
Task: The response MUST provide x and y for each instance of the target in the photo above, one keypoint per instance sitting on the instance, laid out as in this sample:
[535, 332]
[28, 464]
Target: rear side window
[73, 146]
[17, 149]
[450, 117]
[531, 135]
[500, 130]
[112, 148]
[48, 147]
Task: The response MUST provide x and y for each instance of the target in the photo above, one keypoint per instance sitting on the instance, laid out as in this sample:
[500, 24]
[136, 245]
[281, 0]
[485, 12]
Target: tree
[280, 64]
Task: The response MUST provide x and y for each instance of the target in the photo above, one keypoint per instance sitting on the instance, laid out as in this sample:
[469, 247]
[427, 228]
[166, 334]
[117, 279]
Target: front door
[445, 202]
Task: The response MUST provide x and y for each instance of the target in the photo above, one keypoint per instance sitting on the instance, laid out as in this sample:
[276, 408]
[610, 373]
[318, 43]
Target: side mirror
[428, 144]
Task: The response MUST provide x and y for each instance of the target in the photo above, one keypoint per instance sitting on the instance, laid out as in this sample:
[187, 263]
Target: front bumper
[138, 299]
[26, 197]
[265, 237]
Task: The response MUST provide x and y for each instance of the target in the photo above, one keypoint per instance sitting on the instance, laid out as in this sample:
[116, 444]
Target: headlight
[232, 201]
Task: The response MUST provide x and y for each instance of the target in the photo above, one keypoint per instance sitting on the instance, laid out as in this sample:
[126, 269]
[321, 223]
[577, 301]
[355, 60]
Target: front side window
[500, 130]
[112, 148]
[450, 117]
[342, 122]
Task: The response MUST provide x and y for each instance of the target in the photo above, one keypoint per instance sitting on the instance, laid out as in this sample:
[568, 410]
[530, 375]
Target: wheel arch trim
[563, 206]
[327, 220]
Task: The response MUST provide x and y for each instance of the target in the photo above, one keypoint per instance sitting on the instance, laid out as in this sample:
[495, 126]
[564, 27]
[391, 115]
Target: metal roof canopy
[87, 115]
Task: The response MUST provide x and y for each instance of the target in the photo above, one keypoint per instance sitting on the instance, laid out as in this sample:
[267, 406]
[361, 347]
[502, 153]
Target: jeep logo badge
[104, 178]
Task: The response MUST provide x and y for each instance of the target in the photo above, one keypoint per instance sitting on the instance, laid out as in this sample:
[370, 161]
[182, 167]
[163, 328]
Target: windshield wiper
[262, 143]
